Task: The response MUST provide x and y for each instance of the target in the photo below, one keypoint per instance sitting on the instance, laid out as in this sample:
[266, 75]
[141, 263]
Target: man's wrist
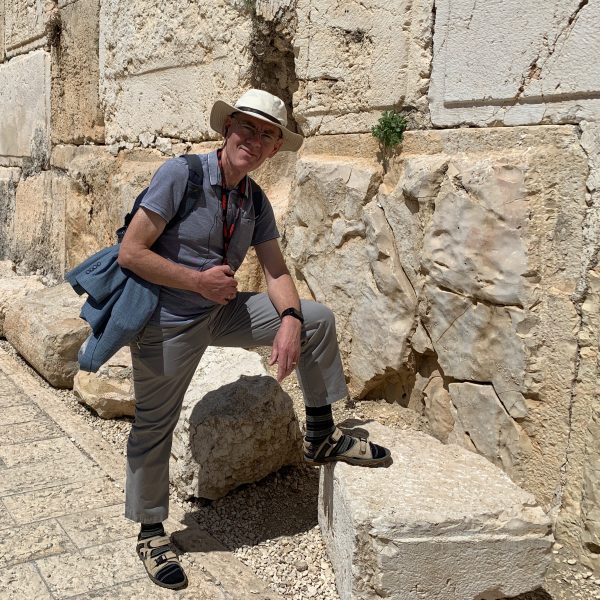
[292, 312]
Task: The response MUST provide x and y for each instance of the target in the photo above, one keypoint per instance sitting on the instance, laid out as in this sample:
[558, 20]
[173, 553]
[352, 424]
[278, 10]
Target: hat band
[261, 113]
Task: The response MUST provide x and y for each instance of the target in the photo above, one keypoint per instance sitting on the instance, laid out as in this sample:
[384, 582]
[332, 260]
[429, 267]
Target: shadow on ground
[281, 504]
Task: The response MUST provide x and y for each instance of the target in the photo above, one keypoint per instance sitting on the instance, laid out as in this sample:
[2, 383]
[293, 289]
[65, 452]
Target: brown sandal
[161, 561]
[361, 452]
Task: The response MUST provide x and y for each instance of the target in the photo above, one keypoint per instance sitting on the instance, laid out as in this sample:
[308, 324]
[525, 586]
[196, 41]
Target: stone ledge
[439, 523]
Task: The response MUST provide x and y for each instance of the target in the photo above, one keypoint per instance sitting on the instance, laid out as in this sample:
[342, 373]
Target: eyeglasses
[250, 131]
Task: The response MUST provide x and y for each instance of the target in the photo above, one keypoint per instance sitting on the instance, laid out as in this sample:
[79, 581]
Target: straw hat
[260, 105]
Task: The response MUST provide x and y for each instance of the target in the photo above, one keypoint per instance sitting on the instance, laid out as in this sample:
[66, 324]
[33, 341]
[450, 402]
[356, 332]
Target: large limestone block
[12, 288]
[491, 229]
[340, 242]
[109, 392]
[2, 28]
[47, 332]
[76, 113]
[38, 239]
[530, 66]
[25, 25]
[163, 65]
[439, 523]
[353, 58]
[236, 426]
[25, 116]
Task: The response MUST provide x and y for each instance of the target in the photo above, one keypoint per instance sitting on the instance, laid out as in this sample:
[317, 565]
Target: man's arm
[283, 294]
[216, 284]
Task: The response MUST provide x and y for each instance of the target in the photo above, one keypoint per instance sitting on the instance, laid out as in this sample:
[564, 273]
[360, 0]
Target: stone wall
[462, 270]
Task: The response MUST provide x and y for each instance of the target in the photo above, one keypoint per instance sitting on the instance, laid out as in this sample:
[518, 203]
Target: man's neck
[232, 176]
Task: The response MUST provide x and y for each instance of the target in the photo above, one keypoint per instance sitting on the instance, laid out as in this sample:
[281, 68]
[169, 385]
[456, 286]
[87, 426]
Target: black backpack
[193, 192]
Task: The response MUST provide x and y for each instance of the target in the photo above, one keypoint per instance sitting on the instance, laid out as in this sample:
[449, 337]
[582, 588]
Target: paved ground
[62, 531]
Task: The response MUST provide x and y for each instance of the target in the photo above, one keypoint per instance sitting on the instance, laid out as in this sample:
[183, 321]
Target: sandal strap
[157, 561]
[361, 447]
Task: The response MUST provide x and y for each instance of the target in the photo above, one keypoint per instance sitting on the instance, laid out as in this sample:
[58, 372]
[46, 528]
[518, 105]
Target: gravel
[272, 526]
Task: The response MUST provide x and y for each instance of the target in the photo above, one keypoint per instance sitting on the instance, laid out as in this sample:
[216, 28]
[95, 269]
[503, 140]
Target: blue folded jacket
[118, 307]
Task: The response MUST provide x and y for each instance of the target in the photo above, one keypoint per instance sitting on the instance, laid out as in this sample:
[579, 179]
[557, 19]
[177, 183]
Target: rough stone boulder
[13, 287]
[236, 426]
[109, 392]
[441, 522]
[47, 332]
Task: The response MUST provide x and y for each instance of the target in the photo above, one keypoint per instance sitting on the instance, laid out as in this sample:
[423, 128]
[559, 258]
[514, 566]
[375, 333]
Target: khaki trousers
[165, 359]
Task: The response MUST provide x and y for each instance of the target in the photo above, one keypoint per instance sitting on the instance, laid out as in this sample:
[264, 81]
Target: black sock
[319, 423]
[151, 530]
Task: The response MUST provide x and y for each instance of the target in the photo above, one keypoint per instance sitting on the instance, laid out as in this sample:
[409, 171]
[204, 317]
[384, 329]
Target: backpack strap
[193, 189]
[256, 194]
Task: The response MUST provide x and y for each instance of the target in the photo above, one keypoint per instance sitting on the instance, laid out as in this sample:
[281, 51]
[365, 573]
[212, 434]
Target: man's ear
[276, 148]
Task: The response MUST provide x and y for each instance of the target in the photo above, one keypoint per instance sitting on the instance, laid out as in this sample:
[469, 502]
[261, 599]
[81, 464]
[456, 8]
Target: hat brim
[221, 110]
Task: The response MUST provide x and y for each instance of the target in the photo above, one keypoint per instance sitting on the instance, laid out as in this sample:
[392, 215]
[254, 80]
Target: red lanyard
[228, 229]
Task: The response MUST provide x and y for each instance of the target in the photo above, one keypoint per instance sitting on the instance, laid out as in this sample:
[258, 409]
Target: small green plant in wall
[389, 129]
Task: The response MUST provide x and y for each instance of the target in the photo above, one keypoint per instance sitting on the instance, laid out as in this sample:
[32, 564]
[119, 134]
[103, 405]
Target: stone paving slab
[63, 533]
[5, 519]
[44, 474]
[56, 501]
[35, 540]
[93, 568]
[23, 582]
[19, 414]
[21, 433]
[98, 526]
[54, 449]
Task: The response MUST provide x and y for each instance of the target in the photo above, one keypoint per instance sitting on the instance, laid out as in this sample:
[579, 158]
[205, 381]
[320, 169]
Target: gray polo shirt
[197, 241]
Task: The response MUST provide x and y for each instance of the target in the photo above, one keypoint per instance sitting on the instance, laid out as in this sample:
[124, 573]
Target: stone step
[440, 522]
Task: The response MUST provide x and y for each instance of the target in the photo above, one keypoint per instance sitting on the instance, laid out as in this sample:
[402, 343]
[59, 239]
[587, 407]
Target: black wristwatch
[292, 312]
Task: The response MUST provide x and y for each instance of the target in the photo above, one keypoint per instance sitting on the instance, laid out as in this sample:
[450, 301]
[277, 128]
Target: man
[194, 262]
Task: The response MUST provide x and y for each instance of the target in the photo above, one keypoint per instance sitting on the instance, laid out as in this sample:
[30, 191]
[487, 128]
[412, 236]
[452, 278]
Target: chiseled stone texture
[2, 28]
[439, 523]
[338, 239]
[9, 179]
[489, 225]
[14, 287]
[236, 426]
[76, 113]
[25, 101]
[353, 58]
[24, 25]
[38, 238]
[109, 392]
[163, 65]
[47, 332]
[530, 67]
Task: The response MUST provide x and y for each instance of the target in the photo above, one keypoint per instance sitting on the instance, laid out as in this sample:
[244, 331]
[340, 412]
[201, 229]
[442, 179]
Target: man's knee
[318, 316]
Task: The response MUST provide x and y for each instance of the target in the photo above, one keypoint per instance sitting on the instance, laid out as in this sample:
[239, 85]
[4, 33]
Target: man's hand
[286, 347]
[217, 284]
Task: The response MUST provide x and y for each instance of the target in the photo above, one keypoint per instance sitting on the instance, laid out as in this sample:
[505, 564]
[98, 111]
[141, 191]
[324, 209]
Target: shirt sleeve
[265, 228]
[167, 188]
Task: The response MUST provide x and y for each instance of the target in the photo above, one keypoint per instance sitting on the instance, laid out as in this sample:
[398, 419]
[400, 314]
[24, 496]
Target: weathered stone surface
[439, 523]
[9, 178]
[530, 66]
[38, 240]
[352, 59]
[236, 426]
[109, 392]
[25, 118]
[162, 66]
[483, 424]
[340, 242]
[24, 25]
[47, 332]
[496, 313]
[76, 113]
[12, 288]
[2, 28]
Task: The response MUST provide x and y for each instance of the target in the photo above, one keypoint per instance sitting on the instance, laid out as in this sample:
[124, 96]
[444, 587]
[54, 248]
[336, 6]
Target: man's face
[250, 141]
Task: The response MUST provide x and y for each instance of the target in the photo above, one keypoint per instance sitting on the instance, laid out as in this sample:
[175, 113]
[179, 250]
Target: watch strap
[292, 312]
